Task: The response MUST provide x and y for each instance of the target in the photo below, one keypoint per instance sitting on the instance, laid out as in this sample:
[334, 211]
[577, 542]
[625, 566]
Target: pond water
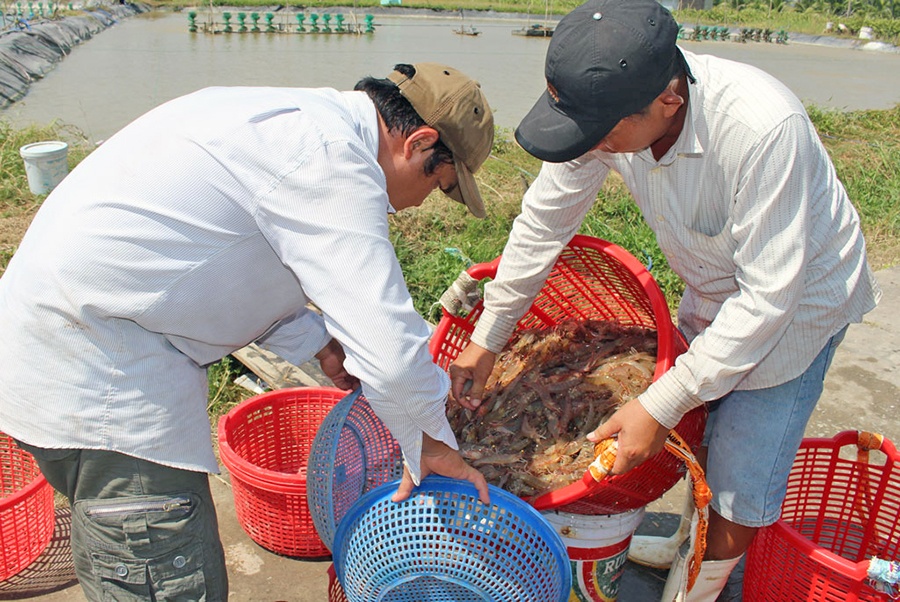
[148, 59]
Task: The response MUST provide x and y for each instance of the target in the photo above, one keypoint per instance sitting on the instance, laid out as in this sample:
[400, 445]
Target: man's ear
[421, 139]
[671, 101]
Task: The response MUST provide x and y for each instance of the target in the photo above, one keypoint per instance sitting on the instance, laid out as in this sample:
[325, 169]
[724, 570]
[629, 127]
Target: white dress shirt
[209, 223]
[748, 210]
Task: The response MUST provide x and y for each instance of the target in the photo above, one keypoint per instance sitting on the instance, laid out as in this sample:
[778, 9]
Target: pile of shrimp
[548, 390]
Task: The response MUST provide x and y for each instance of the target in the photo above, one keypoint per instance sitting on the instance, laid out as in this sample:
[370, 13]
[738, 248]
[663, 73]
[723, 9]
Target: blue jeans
[753, 437]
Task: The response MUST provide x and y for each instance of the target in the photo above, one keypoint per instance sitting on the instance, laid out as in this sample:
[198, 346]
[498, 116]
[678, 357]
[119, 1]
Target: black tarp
[30, 50]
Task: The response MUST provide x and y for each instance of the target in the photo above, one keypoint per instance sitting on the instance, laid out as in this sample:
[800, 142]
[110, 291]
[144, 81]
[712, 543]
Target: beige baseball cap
[453, 104]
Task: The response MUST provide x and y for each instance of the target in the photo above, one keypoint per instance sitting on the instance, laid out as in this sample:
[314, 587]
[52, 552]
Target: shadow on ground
[52, 571]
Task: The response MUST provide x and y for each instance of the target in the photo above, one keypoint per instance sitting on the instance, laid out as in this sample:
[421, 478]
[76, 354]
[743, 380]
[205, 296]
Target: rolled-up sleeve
[297, 339]
[552, 211]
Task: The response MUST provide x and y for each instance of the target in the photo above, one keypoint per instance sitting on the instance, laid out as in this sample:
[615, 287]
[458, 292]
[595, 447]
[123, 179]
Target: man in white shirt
[729, 172]
[206, 224]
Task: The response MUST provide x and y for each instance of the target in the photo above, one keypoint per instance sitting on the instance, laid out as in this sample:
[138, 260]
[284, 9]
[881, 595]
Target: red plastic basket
[264, 443]
[594, 279]
[26, 509]
[335, 591]
[842, 508]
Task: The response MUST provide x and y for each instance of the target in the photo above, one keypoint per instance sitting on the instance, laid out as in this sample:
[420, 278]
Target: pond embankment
[30, 49]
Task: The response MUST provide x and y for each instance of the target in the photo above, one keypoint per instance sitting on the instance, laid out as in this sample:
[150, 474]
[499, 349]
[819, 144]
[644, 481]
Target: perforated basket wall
[26, 509]
[442, 544]
[335, 591]
[841, 509]
[264, 443]
[353, 453]
[594, 280]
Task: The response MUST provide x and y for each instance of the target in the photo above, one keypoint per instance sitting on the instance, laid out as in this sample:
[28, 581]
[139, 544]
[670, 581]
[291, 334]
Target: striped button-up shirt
[209, 223]
[749, 212]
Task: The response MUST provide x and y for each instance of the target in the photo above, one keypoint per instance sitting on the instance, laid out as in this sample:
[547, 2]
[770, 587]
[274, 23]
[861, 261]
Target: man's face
[635, 132]
[411, 184]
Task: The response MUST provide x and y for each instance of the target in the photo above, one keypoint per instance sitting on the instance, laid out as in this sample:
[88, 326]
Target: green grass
[17, 203]
[5, 255]
[438, 240]
[223, 394]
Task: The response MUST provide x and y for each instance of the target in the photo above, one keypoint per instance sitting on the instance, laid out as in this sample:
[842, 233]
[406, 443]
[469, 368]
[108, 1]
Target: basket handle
[866, 494]
[605, 457]
[867, 442]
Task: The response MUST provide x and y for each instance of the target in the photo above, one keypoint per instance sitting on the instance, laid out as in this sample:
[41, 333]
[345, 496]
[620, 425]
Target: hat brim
[466, 191]
[551, 135]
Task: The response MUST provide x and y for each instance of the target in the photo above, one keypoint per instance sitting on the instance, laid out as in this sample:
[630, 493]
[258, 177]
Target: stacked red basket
[26, 509]
[842, 508]
[335, 591]
[264, 443]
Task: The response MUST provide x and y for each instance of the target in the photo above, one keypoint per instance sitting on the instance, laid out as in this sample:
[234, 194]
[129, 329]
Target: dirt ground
[12, 228]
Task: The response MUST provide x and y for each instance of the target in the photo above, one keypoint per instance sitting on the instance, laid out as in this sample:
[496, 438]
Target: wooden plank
[277, 372]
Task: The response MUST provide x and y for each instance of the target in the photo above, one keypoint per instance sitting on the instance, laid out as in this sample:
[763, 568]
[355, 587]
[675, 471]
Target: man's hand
[640, 436]
[439, 458]
[468, 375]
[331, 359]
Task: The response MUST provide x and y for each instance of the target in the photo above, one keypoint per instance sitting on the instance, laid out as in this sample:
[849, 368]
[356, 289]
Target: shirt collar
[688, 143]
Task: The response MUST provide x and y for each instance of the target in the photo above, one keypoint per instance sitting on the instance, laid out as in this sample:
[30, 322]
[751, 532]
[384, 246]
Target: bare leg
[726, 539]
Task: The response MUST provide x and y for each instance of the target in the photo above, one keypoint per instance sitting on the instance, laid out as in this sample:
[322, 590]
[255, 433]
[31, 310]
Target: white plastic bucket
[598, 548]
[46, 164]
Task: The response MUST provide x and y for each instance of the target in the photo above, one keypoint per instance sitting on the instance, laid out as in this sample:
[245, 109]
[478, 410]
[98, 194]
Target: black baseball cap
[607, 59]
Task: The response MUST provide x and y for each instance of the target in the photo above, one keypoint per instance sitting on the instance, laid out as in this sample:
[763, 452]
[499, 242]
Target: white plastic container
[598, 548]
[46, 164]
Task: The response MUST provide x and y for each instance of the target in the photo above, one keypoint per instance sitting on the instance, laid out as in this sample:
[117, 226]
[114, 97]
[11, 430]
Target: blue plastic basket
[442, 544]
[352, 453]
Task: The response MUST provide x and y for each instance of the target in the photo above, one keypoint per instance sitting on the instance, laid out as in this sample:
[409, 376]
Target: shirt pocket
[706, 262]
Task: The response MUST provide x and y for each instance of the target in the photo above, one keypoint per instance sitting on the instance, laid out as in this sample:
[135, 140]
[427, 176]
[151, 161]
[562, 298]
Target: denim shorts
[752, 439]
[140, 530]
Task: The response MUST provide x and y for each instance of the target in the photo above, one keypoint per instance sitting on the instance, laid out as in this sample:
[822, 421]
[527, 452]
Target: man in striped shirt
[730, 174]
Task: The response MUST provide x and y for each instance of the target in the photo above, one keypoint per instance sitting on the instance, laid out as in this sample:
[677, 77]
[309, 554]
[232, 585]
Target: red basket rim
[28, 490]
[246, 470]
[667, 334]
[850, 437]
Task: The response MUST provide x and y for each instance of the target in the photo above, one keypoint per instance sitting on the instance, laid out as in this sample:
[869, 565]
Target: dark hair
[679, 69]
[399, 115]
